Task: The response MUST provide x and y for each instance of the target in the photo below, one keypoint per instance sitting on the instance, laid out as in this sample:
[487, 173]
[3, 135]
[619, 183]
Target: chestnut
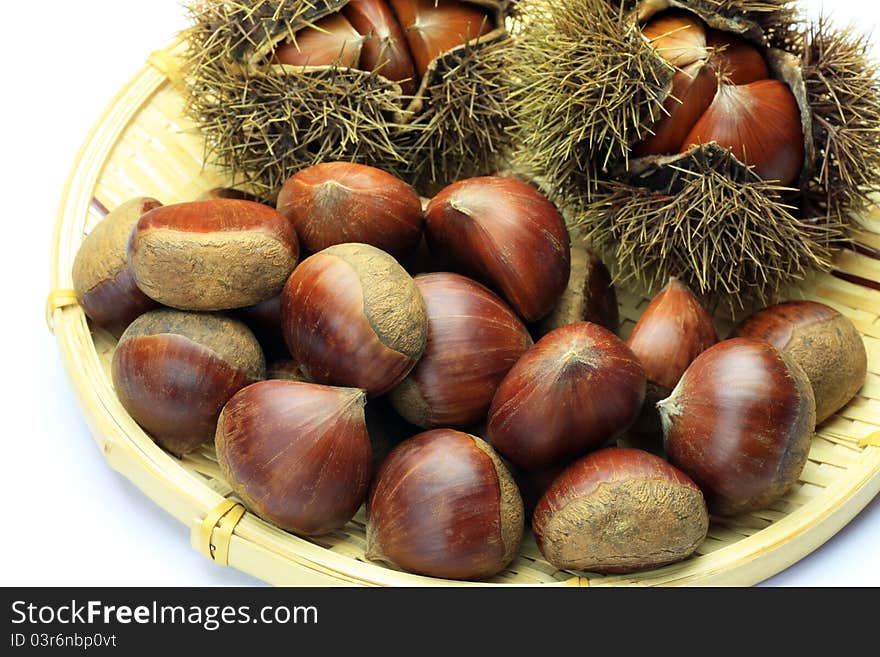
[353, 317]
[678, 36]
[589, 297]
[173, 371]
[297, 454]
[434, 27]
[102, 280]
[734, 59]
[507, 234]
[760, 123]
[474, 339]
[673, 330]
[212, 255]
[444, 505]
[338, 202]
[693, 89]
[825, 343]
[739, 423]
[579, 387]
[331, 40]
[384, 44]
[620, 510]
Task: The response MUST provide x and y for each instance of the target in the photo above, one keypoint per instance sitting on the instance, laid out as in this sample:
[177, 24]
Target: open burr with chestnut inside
[413, 87]
[729, 144]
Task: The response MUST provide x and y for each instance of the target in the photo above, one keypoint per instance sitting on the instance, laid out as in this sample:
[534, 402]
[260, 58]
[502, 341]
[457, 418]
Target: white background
[68, 519]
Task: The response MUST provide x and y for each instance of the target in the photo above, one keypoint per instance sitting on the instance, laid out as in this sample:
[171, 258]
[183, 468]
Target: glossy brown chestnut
[385, 48]
[444, 505]
[173, 371]
[679, 37]
[739, 423]
[673, 330]
[693, 89]
[331, 41]
[589, 297]
[353, 317]
[102, 279]
[474, 339]
[434, 27]
[297, 454]
[620, 510]
[212, 255]
[504, 233]
[825, 343]
[338, 202]
[577, 388]
[734, 59]
[761, 125]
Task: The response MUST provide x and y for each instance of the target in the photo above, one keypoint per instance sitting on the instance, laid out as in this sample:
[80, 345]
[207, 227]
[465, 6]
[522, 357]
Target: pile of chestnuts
[454, 364]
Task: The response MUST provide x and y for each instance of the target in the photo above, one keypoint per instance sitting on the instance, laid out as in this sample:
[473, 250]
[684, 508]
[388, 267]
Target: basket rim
[255, 546]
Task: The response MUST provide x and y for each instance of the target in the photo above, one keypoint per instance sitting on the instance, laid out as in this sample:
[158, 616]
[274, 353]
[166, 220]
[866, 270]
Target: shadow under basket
[144, 145]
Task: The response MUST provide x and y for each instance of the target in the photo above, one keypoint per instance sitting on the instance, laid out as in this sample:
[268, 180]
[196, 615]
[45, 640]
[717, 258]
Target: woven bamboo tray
[144, 146]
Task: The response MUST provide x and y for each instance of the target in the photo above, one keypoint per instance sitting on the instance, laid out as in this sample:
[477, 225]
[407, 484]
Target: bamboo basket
[144, 146]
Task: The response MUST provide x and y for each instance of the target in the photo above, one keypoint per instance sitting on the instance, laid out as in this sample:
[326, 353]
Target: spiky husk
[735, 240]
[264, 122]
[585, 95]
[583, 83]
[843, 87]
[586, 85]
[463, 124]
